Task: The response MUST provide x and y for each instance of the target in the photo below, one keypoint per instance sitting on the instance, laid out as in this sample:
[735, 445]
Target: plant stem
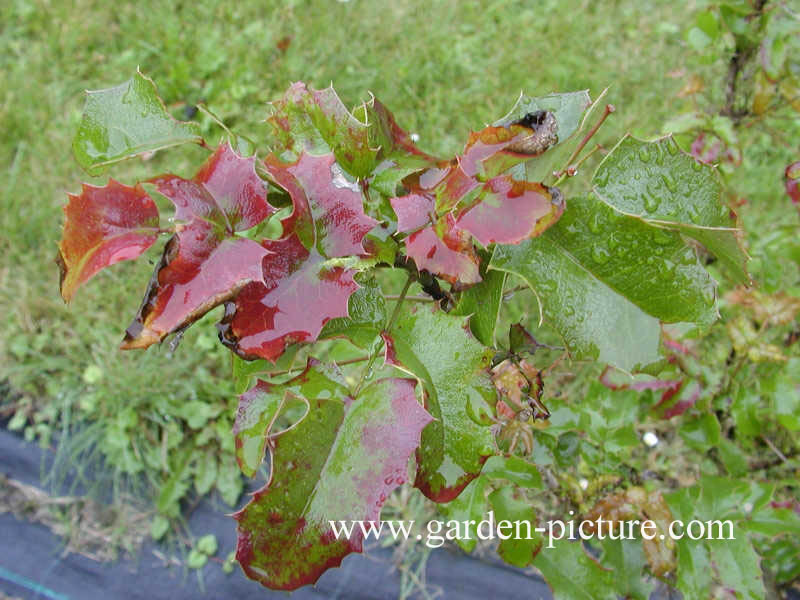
[560, 174]
[411, 298]
[774, 448]
[386, 329]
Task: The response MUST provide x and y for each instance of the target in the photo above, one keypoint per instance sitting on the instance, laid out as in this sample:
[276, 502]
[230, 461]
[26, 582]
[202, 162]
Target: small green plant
[363, 280]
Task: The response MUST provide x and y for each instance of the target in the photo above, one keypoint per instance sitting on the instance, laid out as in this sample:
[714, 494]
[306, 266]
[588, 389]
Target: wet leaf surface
[204, 264]
[359, 454]
[328, 210]
[299, 294]
[126, 120]
[659, 183]
[103, 226]
[262, 405]
[452, 366]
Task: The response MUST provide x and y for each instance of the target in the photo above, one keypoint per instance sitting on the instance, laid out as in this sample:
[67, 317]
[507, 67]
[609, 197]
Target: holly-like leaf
[262, 405]
[595, 320]
[300, 292]
[660, 184]
[398, 156]
[391, 141]
[204, 264]
[738, 566]
[316, 122]
[470, 506]
[453, 368]
[338, 465]
[457, 204]
[442, 248]
[124, 121]
[651, 267]
[328, 209]
[604, 279]
[494, 150]
[514, 469]
[103, 226]
[716, 500]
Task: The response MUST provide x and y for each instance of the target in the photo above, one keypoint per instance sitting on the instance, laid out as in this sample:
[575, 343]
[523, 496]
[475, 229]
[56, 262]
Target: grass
[443, 68]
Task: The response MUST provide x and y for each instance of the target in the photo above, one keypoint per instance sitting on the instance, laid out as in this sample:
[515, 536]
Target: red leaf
[328, 210]
[103, 226]
[500, 210]
[226, 191]
[792, 181]
[511, 211]
[203, 265]
[413, 211]
[448, 253]
[299, 295]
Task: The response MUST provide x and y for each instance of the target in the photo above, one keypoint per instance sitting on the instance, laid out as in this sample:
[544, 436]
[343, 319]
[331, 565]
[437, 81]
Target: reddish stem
[608, 110]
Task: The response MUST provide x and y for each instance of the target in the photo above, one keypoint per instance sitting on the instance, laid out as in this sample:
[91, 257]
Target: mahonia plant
[298, 236]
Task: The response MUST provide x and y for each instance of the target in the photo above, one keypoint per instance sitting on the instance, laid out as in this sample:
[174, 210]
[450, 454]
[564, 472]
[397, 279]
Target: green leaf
[523, 543]
[339, 464]
[229, 484]
[738, 566]
[244, 371]
[568, 109]
[196, 560]
[701, 433]
[572, 574]
[594, 320]
[482, 301]
[469, 506]
[262, 405]
[126, 120]
[685, 122]
[694, 568]
[207, 544]
[659, 183]
[316, 121]
[786, 395]
[650, 266]
[366, 315]
[627, 562]
[514, 469]
[773, 522]
[176, 486]
[205, 471]
[718, 499]
[159, 527]
[453, 367]
[733, 458]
